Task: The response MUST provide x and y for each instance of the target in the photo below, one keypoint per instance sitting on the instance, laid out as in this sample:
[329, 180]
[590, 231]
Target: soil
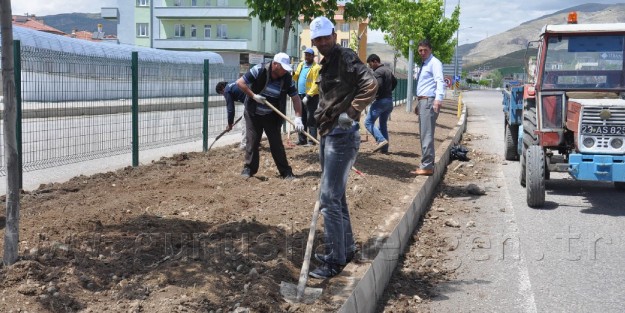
[431, 257]
[189, 234]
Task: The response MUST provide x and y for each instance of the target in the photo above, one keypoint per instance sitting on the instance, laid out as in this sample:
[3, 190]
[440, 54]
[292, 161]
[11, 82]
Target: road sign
[448, 81]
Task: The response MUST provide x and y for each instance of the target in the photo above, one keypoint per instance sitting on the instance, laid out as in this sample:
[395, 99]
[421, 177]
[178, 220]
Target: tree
[282, 13]
[11, 231]
[403, 20]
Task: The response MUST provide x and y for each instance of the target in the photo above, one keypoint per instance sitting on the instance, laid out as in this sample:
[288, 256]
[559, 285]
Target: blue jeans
[337, 154]
[381, 109]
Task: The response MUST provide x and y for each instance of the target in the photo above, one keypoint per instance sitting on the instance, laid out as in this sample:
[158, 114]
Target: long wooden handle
[305, 133]
[223, 133]
[290, 121]
[303, 274]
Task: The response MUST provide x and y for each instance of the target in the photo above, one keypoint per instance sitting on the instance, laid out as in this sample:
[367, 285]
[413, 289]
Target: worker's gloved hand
[259, 98]
[305, 100]
[345, 122]
[229, 127]
[299, 126]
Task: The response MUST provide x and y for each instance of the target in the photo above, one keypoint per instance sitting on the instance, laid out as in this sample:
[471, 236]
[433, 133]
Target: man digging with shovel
[270, 82]
[346, 87]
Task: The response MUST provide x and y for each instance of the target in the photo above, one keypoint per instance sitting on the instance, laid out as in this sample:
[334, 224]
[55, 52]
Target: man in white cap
[346, 87]
[270, 82]
[305, 77]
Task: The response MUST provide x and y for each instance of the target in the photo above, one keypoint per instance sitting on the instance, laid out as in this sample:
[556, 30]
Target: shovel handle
[304, 132]
[223, 133]
[290, 121]
[303, 274]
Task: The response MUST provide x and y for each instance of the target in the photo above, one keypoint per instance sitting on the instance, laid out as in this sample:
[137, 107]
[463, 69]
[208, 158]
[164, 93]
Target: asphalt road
[566, 257]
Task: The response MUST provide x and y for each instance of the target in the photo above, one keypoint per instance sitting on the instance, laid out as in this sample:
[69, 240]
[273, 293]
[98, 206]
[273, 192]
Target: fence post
[135, 108]
[205, 109]
[409, 90]
[17, 57]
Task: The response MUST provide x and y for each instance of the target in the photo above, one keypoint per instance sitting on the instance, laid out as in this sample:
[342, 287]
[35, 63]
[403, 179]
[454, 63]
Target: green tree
[403, 20]
[284, 13]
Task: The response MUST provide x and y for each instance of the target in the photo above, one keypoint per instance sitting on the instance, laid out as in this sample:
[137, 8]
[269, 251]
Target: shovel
[300, 293]
[223, 133]
[304, 132]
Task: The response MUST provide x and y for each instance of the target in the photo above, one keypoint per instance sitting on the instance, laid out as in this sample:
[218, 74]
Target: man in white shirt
[430, 93]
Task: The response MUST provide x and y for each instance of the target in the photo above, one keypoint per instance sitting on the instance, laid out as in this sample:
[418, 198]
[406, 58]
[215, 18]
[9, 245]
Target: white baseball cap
[284, 60]
[321, 26]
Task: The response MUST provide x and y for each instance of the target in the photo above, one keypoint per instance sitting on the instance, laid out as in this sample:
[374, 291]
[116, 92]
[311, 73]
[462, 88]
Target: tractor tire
[619, 185]
[512, 140]
[529, 138]
[535, 177]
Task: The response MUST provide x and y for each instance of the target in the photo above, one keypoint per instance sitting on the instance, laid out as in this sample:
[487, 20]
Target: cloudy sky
[478, 18]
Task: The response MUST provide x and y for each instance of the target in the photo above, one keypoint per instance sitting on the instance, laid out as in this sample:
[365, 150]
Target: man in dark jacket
[270, 82]
[382, 106]
[346, 87]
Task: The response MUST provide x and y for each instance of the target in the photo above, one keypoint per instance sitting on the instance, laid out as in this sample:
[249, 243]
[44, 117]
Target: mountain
[516, 39]
[67, 22]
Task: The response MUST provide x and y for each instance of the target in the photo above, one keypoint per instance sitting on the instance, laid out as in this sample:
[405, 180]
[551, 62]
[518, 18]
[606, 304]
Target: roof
[44, 40]
[35, 24]
[584, 28]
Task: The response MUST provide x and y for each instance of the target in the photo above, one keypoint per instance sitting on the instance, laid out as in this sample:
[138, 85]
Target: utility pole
[409, 80]
[11, 230]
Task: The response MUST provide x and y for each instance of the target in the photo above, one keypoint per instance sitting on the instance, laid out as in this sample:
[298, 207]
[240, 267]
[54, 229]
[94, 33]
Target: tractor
[570, 114]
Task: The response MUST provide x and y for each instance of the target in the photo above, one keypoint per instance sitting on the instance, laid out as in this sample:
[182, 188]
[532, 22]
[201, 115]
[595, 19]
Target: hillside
[517, 38]
[66, 22]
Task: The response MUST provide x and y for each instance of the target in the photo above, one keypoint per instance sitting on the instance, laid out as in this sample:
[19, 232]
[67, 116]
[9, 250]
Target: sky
[479, 19]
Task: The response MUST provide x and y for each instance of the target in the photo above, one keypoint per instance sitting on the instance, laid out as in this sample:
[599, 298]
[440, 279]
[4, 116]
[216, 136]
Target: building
[349, 34]
[31, 22]
[221, 26]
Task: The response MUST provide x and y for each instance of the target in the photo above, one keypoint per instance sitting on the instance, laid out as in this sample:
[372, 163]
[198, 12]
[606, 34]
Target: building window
[207, 31]
[345, 27]
[275, 35]
[193, 3]
[193, 31]
[142, 30]
[222, 3]
[143, 3]
[222, 31]
[179, 30]
[345, 43]
[177, 3]
[264, 30]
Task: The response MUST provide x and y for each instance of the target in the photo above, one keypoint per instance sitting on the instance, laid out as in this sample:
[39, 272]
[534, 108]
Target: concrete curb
[370, 288]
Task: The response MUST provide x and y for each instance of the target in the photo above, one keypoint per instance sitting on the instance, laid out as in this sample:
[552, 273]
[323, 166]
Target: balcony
[201, 12]
[191, 44]
[109, 13]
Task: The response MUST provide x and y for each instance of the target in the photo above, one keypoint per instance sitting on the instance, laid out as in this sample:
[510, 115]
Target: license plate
[603, 130]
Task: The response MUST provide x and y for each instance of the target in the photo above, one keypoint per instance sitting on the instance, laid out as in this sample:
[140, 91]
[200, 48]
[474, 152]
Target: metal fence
[77, 107]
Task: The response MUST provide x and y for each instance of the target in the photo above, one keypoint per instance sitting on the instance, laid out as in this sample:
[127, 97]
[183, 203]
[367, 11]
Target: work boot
[327, 270]
[288, 176]
[349, 256]
[246, 173]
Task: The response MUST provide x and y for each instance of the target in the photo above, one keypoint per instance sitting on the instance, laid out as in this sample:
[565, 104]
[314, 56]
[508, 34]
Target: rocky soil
[189, 234]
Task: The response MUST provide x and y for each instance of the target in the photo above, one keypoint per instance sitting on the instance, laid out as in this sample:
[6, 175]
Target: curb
[370, 288]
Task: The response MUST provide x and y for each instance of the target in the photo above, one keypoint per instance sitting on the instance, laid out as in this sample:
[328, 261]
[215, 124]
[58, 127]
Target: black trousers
[308, 117]
[270, 124]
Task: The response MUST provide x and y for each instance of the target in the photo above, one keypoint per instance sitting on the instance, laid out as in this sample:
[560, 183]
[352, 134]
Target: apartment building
[348, 34]
[221, 26]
